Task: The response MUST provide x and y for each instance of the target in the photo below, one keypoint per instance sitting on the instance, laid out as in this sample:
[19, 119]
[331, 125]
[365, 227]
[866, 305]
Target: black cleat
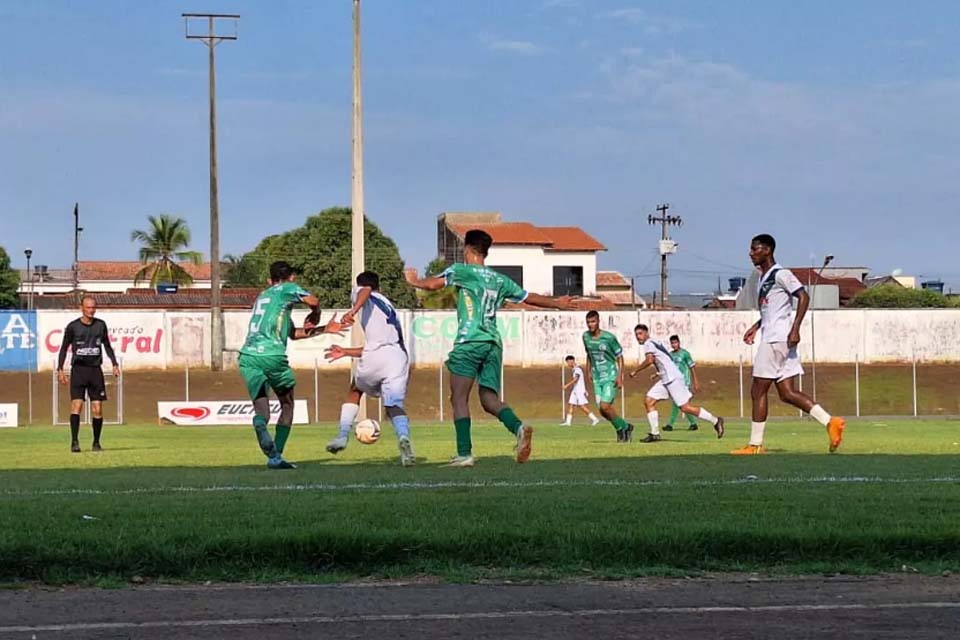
[75, 447]
[669, 427]
[620, 436]
[693, 427]
[97, 447]
[719, 427]
[651, 438]
[628, 433]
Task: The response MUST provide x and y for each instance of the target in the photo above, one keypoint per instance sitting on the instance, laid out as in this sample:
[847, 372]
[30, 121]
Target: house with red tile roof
[546, 260]
[101, 276]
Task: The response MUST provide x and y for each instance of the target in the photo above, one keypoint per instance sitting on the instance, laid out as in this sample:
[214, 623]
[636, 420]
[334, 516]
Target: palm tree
[163, 248]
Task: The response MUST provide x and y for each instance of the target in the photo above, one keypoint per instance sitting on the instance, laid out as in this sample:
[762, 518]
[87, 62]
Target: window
[568, 281]
[515, 273]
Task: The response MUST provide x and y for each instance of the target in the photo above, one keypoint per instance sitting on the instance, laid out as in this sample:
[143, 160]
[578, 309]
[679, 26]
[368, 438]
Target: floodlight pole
[357, 217]
[77, 229]
[664, 221]
[813, 326]
[211, 40]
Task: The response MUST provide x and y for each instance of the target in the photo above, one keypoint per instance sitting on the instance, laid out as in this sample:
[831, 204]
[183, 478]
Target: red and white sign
[221, 412]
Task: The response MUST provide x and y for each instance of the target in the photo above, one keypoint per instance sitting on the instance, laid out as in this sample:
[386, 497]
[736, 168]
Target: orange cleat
[524, 443]
[749, 450]
[835, 430]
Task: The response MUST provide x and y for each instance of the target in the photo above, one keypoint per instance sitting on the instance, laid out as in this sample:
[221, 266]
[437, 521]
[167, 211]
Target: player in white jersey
[670, 385]
[383, 367]
[776, 360]
[578, 396]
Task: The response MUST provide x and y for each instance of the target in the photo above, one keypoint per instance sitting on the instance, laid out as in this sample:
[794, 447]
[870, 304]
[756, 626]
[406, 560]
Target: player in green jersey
[477, 353]
[263, 357]
[684, 361]
[605, 357]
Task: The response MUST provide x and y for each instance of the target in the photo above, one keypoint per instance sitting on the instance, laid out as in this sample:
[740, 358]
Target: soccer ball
[367, 431]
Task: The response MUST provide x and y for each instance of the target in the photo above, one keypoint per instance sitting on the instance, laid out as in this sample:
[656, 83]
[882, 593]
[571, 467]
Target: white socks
[653, 417]
[706, 415]
[569, 419]
[348, 413]
[818, 414]
[592, 417]
[756, 433]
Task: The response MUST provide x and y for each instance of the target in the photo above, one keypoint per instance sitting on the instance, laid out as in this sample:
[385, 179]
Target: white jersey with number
[666, 367]
[381, 325]
[580, 386]
[776, 289]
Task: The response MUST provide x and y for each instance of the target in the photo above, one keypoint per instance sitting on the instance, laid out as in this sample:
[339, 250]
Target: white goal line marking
[482, 615]
[474, 484]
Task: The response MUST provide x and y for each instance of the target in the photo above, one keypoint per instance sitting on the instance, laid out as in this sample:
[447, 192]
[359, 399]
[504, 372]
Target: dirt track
[739, 607]
[534, 393]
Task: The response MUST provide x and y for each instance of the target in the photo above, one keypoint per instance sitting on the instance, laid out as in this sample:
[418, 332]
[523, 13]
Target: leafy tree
[889, 296]
[321, 249]
[443, 298]
[163, 246]
[246, 270]
[9, 283]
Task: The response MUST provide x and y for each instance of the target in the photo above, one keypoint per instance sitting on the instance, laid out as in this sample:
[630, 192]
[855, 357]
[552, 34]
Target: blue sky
[832, 125]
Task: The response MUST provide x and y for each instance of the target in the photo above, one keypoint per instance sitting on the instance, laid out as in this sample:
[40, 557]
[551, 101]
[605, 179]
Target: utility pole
[77, 229]
[358, 258]
[211, 39]
[667, 246]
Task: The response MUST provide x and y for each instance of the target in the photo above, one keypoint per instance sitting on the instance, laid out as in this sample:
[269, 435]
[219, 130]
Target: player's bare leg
[76, 408]
[348, 413]
[703, 414]
[586, 411]
[834, 424]
[490, 401]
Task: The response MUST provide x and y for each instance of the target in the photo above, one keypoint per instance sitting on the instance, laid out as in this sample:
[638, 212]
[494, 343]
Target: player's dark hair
[569, 358]
[674, 337]
[641, 326]
[369, 279]
[766, 240]
[593, 314]
[281, 270]
[478, 240]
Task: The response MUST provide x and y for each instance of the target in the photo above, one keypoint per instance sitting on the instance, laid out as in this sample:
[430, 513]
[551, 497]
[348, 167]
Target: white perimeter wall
[173, 339]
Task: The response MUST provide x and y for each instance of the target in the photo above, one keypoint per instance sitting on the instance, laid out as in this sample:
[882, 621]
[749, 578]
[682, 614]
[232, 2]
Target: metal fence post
[186, 383]
[857, 382]
[740, 380]
[440, 387]
[316, 391]
[563, 383]
[915, 413]
[800, 411]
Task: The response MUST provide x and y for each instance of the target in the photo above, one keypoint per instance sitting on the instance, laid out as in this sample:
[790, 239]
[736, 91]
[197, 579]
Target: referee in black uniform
[86, 335]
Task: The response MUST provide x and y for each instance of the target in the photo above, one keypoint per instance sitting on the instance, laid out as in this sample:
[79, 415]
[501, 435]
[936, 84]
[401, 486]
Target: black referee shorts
[87, 382]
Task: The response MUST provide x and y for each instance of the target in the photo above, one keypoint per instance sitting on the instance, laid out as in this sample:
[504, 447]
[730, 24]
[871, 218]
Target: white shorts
[676, 390]
[384, 372]
[578, 398]
[776, 361]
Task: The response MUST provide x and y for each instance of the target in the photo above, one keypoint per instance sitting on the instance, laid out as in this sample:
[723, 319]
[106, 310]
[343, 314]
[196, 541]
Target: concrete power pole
[667, 246]
[212, 39]
[358, 259]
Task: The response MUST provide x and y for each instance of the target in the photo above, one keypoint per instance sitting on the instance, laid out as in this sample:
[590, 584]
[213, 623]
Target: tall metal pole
[813, 326]
[211, 40]
[76, 246]
[356, 223]
[28, 253]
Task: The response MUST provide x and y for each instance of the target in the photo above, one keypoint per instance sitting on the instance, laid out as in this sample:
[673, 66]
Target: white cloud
[518, 47]
[651, 24]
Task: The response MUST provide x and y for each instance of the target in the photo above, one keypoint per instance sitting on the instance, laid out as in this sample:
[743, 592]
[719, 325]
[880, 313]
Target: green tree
[243, 271]
[163, 247]
[321, 249]
[9, 283]
[890, 296]
[442, 298]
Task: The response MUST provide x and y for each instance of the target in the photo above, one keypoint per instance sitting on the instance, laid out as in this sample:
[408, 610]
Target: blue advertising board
[18, 340]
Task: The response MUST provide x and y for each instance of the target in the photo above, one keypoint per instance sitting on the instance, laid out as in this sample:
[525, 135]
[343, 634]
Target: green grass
[198, 504]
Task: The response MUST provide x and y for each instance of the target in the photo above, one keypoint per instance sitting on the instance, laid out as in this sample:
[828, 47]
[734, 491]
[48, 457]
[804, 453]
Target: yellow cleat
[749, 450]
[835, 429]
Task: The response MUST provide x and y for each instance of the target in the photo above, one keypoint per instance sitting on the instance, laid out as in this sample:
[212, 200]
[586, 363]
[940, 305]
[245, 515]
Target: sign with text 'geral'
[223, 412]
[8, 414]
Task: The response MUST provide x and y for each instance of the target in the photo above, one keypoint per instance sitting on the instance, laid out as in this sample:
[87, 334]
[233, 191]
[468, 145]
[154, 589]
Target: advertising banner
[223, 412]
[8, 414]
[18, 340]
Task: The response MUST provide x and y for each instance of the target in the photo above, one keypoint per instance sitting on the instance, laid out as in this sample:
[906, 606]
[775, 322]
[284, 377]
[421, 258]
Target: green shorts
[479, 360]
[605, 391]
[260, 372]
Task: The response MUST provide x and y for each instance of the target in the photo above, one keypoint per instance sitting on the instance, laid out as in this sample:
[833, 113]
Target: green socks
[464, 446]
[510, 420]
[620, 424]
[280, 439]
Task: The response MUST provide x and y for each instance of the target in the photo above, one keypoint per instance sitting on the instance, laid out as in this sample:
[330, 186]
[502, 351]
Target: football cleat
[694, 427]
[524, 443]
[668, 427]
[717, 427]
[337, 445]
[835, 428]
[75, 447]
[96, 447]
[628, 433]
[407, 458]
[279, 463]
[464, 462]
[652, 437]
[749, 450]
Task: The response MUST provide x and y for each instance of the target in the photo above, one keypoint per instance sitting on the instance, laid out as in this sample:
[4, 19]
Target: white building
[546, 260]
[113, 276]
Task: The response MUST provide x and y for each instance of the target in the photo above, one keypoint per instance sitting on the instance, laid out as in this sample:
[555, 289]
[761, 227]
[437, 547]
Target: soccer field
[177, 503]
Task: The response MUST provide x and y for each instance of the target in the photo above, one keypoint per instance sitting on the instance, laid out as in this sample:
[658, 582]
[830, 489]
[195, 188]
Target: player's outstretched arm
[336, 352]
[549, 302]
[432, 283]
[362, 296]
[647, 362]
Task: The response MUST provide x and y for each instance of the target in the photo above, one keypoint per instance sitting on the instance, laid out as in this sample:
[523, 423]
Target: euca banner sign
[223, 412]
